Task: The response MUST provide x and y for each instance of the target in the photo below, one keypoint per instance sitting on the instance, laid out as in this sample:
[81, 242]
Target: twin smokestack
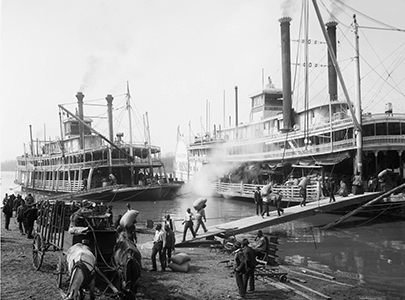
[109, 99]
[286, 68]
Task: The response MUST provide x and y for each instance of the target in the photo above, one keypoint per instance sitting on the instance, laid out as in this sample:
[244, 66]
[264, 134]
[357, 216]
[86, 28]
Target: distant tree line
[9, 165]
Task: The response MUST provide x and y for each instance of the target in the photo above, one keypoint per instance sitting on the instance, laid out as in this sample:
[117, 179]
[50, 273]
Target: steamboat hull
[111, 194]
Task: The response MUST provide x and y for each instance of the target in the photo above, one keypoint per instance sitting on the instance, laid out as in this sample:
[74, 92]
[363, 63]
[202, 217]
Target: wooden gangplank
[290, 214]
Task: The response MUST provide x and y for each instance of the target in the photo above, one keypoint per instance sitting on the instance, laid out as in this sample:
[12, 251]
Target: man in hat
[250, 261]
[258, 201]
[239, 268]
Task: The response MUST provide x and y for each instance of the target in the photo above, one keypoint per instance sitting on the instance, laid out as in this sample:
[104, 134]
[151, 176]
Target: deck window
[394, 129]
[368, 130]
[381, 128]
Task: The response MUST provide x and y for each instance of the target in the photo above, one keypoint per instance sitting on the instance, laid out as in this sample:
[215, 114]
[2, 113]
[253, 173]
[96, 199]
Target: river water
[372, 253]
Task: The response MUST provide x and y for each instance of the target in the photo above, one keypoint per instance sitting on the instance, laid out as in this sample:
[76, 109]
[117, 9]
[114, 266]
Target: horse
[127, 260]
[81, 267]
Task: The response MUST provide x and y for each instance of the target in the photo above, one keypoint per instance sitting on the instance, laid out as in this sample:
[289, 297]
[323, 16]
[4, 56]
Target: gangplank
[290, 214]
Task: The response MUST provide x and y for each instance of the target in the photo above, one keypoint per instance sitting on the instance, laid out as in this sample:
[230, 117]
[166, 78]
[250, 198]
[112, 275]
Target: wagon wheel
[282, 278]
[37, 252]
[59, 271]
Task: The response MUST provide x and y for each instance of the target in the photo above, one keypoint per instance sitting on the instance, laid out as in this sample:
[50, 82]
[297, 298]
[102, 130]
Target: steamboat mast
[358, 167]
[131, 150]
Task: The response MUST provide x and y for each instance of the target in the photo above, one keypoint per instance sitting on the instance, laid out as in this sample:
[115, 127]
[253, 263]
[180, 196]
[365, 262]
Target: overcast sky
[175, 54]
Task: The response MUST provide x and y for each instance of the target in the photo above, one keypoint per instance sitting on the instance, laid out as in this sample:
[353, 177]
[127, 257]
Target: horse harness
[87, 269]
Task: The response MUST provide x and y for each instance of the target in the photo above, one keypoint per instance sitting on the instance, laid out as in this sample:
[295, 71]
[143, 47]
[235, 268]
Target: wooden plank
[304, 270]
[311, 290]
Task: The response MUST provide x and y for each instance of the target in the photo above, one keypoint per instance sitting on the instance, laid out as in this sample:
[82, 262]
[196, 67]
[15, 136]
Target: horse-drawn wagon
[90, 251]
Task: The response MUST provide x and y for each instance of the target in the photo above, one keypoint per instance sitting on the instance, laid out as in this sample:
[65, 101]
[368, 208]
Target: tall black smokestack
[331, 29]
[286, 66]
[80, 97]
[110, 99]
[236, 106]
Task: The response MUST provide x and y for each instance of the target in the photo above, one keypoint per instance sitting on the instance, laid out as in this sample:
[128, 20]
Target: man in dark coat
[250, 261]
[258, 201]
[31, 214]
[8, 212]
[239, 268]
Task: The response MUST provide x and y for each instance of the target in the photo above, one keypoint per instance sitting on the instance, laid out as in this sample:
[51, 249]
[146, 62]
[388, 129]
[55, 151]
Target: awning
[324, 160]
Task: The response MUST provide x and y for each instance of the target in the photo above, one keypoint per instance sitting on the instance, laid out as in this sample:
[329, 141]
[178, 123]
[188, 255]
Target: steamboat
[83, 163]
[280, 143]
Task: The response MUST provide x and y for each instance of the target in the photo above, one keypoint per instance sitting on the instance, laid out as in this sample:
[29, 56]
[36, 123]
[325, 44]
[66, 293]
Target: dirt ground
[210, 277]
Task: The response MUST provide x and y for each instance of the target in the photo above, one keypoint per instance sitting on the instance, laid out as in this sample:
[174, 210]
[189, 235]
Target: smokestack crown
[79, 96]
[285, 20]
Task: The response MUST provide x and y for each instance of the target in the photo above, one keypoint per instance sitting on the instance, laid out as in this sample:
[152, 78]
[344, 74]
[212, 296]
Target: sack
[180, 258]
[180, 268]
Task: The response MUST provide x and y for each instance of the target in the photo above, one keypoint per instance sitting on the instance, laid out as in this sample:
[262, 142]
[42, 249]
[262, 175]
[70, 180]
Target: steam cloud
[89, 77]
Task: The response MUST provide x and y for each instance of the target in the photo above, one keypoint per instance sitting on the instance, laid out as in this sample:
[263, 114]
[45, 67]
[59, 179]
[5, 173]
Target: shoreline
[210, 276]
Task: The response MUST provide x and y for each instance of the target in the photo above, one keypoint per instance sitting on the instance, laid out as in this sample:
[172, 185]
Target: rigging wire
[389, 27]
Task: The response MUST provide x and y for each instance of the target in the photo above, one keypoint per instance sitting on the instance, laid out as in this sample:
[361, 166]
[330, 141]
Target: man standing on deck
[258, 201]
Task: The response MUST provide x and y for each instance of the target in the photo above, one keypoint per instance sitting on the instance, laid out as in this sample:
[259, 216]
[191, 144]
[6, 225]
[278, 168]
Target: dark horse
[127, 260]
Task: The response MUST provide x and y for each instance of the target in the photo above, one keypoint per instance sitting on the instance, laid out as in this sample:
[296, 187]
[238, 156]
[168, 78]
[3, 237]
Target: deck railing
[289, 192]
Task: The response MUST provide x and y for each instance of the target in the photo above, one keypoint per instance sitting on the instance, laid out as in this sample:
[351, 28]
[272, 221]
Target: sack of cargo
[180, 268]
[199, 203]
[180, 258]
[266, 190]
[304, 182]
[128, 218]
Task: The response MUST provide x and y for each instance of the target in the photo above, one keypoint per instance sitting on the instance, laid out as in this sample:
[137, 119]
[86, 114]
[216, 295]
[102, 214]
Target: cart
[52, 235]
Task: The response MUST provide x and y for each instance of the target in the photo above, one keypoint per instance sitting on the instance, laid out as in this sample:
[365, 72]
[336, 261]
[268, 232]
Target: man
[20, 217]
[168, 244]
[258, 201]
[8, 212]
[250, 261]
[169, 221]
[157, 248]
[84, 184]
[266, 202]
[200, 216]
[261, 243]
[331, 189]
[188, 224]
[239, 268]
[31, 214]
[277, 200]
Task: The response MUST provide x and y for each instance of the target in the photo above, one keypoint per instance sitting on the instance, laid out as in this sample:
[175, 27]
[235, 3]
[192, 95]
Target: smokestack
[286, 67]
[110, 99]
[236, 106]
[331, 29]
[80, 97]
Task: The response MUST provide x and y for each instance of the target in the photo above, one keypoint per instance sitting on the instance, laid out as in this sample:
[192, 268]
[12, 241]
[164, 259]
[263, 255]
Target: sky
[182, 59]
